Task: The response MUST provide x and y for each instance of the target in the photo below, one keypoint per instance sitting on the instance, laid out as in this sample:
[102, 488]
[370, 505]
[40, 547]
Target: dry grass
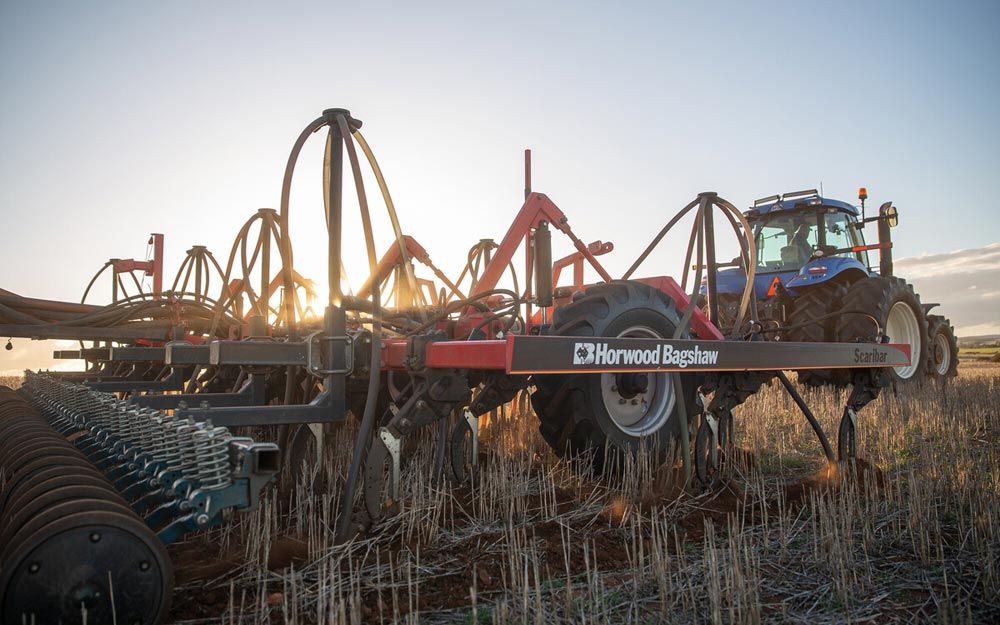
[11, 381]
[912, 534]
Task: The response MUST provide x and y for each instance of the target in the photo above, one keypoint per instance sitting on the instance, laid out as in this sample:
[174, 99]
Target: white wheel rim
[942, 354]
[902, 327]
[644, 413]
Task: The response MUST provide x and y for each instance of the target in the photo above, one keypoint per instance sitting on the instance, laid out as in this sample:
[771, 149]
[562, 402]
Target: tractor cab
[806, 245]
[801, 239]
[803, 236]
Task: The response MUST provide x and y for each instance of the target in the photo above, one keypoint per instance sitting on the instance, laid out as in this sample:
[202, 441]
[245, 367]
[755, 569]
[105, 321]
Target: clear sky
[118, 119]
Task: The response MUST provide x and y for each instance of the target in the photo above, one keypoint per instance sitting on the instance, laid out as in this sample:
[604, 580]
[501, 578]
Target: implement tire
[811, 304]
[605, 411]
[896, 307]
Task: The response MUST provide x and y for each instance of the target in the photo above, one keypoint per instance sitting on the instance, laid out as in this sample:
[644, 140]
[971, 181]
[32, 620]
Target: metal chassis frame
[521, 354]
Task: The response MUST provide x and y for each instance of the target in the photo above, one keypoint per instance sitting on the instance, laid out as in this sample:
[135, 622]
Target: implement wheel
[896, 307]
[599, 411]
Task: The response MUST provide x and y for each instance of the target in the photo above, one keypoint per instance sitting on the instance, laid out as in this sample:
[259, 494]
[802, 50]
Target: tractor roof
[797, 200]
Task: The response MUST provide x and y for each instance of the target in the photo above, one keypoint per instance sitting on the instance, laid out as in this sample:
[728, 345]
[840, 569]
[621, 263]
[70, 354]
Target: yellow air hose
[397, 231]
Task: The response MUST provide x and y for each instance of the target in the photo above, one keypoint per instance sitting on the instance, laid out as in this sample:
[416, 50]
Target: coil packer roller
[96, 487]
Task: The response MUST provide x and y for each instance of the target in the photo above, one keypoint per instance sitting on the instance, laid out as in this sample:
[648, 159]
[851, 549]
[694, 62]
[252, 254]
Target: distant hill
[985, 340]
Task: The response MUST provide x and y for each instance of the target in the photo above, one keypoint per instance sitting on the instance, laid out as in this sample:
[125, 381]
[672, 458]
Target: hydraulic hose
[391, 209]
[682, 327]
[374, 379]
[695, 225]
[746, 257]
[285, 247]
[457, 305]
[367, 423]
[747, 248]
[697, 241]
[337, 122]
[817, 428]
[473, 264]
[751, 256]
[659, 237]
[197, 257]
[259, 302]
[696, 246]
[815, 320]
[93, 280]
[359, 185]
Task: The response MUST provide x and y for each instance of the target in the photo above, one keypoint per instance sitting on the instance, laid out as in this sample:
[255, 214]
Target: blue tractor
[814, 282]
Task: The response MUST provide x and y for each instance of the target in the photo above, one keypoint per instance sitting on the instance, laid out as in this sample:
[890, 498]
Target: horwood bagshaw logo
[584, 354]
[660, 355]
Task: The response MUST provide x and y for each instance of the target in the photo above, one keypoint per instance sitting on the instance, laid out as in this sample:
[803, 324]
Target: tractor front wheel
[808, 327]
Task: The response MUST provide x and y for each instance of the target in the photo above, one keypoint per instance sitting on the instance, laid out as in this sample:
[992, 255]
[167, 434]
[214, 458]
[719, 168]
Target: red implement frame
[152, 267]
[536, 210]
[393, 258]
[597, 248]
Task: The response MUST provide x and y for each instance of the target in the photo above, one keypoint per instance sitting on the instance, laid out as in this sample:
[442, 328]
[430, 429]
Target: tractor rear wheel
[599, 411]
[943, 363]
[812, 304]
[896, 307]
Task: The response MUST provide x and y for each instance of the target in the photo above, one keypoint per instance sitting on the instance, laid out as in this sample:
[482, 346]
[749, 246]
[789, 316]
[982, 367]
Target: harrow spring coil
[148, 430]
[211, 447]
[188, 459]
[172, 443]
[165, 427]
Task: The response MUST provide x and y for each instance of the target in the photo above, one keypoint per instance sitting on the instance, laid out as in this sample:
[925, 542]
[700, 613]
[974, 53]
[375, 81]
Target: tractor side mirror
[890, 214]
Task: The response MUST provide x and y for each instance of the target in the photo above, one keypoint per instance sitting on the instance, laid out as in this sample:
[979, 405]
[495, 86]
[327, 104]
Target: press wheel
[82, 553]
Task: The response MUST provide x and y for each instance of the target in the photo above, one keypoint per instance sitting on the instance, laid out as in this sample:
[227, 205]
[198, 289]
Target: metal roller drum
[71, 549]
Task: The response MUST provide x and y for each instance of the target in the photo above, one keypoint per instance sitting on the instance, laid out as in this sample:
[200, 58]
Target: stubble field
[909, 534]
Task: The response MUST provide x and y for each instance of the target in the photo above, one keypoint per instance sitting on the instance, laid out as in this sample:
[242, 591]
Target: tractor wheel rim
[942, 354]
[902, 327]
[645, 413]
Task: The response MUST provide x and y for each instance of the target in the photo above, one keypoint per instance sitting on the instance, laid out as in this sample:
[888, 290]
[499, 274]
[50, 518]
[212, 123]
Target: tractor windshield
[787, 240]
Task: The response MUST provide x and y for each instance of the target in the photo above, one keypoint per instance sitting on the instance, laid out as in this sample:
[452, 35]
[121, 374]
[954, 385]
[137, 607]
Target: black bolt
[95, 537]
[33, 568]
[144, 566]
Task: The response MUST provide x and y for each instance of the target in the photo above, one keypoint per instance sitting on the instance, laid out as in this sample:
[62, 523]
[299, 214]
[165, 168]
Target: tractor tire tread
[814, 303]
[939, 324]
[562, 402]
[876, 295]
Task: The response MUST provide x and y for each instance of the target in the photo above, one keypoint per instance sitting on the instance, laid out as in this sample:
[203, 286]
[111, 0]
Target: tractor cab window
[787, 240]
[837, 236]
[841, 234]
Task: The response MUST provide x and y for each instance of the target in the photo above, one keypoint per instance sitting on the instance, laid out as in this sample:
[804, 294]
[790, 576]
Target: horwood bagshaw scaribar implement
[103, 467]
